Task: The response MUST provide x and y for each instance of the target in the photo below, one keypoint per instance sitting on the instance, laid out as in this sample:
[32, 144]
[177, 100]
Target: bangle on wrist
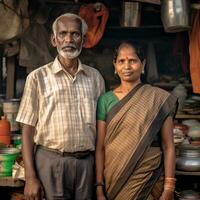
[169, 189]
[99, 184]
[168, 179]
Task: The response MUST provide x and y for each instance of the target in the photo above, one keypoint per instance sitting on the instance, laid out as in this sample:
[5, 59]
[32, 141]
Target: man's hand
[33, 189]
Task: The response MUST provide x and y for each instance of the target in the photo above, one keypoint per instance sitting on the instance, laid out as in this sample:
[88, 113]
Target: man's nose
[68, 37]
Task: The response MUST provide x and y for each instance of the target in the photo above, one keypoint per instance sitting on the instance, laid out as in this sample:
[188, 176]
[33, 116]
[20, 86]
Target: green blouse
[105, 103]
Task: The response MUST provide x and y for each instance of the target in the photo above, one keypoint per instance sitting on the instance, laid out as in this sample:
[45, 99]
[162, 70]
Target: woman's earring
[143, 71]
[115, 72]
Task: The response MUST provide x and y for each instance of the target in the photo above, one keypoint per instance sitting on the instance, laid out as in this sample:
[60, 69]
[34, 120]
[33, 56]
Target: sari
[133, 167]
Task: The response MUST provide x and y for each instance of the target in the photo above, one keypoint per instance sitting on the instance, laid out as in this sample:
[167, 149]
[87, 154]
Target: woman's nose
[126, 65]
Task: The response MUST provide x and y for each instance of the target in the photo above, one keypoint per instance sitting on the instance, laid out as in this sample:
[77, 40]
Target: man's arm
[33, 188]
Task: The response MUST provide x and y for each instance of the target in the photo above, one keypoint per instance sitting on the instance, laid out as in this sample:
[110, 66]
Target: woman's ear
[53, 40]
[114, 63]
[143, 65]
[115, 71]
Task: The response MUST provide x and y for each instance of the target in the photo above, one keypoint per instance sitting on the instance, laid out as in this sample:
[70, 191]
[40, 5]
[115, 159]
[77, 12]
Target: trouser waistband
[78, 154]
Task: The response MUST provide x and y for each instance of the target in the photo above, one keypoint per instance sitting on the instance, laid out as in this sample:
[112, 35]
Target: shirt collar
[57, 67]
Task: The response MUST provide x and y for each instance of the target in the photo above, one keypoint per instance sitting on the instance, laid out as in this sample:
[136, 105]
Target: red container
[4, 126]
[5, 139]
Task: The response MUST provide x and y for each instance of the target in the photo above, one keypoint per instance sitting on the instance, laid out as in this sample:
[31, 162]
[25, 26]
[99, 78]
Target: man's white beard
[70, 55]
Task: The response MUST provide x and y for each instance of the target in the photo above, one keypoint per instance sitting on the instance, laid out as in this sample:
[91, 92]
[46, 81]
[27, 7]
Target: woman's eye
[120, 61]
[133, 61]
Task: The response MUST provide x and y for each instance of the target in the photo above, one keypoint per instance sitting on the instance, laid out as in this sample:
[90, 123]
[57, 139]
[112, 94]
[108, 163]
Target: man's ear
[84, 40]
[53, 40]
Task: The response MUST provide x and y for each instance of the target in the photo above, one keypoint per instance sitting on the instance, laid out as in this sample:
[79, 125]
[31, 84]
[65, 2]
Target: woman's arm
[99, 158]
[169, 158]
[168, 147]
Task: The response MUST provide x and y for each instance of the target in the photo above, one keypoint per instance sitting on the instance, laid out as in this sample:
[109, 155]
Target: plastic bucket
[10, 109]
[7, 159]
[16, 140]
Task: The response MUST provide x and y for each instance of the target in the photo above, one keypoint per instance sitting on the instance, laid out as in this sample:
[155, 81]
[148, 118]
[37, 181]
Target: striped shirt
[62, 108]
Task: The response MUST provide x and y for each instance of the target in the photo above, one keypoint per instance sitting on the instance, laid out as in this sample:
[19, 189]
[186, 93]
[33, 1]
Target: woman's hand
[101, 197]
[167, 195]
[100, 193]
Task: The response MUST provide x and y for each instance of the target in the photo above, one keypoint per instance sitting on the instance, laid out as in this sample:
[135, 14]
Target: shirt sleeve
[100, 85]
[101, 109]
[28, 110]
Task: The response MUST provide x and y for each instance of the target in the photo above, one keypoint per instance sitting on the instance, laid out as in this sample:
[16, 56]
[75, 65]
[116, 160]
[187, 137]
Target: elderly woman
[135, 156]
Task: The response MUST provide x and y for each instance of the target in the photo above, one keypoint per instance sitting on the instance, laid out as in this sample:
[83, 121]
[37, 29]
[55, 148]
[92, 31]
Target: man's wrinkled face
[68, 39]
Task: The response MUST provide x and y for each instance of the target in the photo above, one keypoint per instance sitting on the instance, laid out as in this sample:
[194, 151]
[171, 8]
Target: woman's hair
[138, 49]
[84, 26]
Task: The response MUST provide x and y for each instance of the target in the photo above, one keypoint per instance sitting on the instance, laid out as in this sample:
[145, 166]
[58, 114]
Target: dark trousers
[65, 177]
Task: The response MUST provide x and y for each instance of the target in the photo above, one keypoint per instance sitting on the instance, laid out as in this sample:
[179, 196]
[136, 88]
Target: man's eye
[76, 35]
[62, 34]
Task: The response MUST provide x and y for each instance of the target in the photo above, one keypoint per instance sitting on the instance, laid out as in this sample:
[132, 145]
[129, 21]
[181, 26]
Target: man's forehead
[70, 20]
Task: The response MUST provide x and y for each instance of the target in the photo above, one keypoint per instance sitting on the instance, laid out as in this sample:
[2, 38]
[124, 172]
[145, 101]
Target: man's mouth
[69, 48]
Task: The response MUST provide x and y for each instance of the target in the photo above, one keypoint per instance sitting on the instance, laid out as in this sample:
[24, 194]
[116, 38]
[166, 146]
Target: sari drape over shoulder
[132, 165]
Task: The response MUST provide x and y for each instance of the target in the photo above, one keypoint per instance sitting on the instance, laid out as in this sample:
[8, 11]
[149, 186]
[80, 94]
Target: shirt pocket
[47, 88]
[88, 109]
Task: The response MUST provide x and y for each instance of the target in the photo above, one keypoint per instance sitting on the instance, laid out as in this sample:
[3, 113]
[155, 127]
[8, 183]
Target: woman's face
[128, 65]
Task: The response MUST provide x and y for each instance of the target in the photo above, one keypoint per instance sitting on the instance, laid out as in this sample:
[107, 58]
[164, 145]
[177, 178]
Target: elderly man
[58, 113]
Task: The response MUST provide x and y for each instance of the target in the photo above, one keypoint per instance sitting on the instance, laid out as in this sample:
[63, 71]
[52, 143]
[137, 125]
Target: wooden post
[10, 82]
[1, 70]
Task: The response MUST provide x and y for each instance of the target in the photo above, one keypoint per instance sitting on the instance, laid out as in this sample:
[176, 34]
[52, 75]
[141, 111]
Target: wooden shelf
[149, 31]
[171, 85]
[186, 116]
[187, 173]
[10, 182]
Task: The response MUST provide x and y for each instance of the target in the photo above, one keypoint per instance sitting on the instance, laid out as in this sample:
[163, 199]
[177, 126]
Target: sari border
[144, 145]
[115, 109]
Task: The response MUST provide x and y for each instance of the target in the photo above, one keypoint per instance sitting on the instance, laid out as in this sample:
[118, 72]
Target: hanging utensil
[175, 15]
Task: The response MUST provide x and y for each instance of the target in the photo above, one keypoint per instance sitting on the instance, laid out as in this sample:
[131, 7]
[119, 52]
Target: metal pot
[189, 195]
[175, 15]
[131, 13]
[188, 158]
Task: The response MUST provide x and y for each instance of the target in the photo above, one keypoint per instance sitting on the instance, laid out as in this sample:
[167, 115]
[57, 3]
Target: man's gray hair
[84, 26]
